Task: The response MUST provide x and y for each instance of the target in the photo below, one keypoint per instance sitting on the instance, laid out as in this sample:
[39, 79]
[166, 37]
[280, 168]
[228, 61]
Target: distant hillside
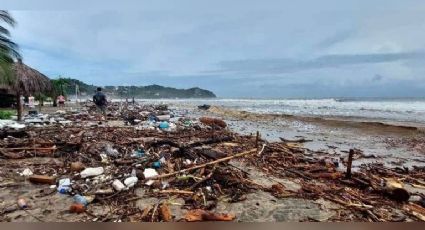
[150, 91]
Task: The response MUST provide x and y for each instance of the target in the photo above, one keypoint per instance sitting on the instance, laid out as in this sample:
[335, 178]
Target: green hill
[150, 91]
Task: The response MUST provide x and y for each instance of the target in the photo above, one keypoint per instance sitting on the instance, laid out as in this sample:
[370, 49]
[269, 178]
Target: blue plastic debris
[156, 164]
[80, 200]
[151, 118]
[139, 153]
[164, 125]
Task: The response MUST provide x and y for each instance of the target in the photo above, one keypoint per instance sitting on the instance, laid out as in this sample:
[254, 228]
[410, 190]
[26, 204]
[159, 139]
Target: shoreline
[335, 121]
[393, 145]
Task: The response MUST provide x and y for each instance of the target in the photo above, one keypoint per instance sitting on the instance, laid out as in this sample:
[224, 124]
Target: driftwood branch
[301, 140]
[204, 165]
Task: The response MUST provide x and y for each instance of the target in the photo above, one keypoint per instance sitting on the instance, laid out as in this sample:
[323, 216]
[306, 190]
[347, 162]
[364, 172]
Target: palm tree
[8, 49]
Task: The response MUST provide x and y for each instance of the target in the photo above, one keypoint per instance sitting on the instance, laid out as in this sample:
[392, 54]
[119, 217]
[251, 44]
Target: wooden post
[257, 139]
[349, 163]
[40, 102]
[19, 105]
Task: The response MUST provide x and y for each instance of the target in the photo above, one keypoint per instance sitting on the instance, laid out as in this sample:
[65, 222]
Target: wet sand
[394, 145]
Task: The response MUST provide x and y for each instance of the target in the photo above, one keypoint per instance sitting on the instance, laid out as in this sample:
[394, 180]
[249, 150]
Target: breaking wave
[397, 110]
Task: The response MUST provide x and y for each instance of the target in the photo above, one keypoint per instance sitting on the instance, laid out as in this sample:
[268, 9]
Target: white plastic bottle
[89, 172]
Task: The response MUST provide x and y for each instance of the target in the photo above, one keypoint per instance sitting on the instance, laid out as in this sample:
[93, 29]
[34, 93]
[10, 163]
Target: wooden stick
[257, 139]
[349, 163]
[373, 216]
[301, 140]
[415, 210]
[176, 191]
[203, 165]
[33, 148]
[203, 179]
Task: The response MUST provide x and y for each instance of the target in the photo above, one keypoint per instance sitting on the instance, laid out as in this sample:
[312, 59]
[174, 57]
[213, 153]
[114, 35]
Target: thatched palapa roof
[29, 81]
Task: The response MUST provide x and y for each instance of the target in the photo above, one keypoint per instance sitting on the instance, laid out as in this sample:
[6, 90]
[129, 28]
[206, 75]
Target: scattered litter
[149, 182]
[149, 172]
[84, 200]
[77, 208]
[104, 157]
[11, 124]
[64, 186]
[27, 172]
[22, 203]
[118, 185]
[77, 166]
[213, 122]
[138, 153]
[164, 125]
[131, 181]
[202, 215]
[42, 179]
[163, 117]
[90, 172]
[188, 158]
[204, 107]
[111, 151]
[156, 164]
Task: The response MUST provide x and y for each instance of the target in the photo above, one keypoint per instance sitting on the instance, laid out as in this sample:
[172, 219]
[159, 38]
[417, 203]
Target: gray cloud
[329, 61]
[335, 39]
[332, 47]
[377, 77]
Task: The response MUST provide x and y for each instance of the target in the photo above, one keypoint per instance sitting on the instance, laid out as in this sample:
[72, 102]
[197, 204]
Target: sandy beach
[320, 139]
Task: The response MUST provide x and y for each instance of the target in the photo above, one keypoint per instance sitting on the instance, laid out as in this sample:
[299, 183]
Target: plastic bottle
[131, 181]
[89, 172]
[80, 200]
[118, 185]
[163, 117]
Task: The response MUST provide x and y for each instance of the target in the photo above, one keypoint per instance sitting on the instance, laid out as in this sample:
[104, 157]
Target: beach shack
[27, 82]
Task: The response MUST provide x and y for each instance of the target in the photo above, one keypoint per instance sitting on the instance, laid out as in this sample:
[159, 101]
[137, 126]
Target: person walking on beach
[100, 100]
[31, 102]
[61, 101]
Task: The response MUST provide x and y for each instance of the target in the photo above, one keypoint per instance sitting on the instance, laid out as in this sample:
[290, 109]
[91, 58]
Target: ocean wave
[393, 110]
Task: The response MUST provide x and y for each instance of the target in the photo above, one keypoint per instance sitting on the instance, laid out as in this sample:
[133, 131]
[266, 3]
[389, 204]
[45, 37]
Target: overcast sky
[236, 48]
